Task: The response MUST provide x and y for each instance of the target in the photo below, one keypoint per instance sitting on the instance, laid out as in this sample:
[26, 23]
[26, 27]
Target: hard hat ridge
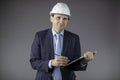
[60, 8]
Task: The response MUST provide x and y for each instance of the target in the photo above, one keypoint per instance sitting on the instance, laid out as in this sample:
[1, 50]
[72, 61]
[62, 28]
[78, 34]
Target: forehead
[61, 15]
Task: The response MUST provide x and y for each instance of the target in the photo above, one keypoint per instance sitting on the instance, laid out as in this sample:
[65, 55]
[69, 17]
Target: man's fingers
[62, 63]
[89, 55]
[62, 57]
[61, 60]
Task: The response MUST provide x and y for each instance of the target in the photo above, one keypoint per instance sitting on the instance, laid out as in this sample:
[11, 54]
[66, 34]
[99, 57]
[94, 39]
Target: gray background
[97, 22]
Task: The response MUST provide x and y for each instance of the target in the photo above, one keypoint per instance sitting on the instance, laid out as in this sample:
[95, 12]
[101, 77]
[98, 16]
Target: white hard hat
[60, 8]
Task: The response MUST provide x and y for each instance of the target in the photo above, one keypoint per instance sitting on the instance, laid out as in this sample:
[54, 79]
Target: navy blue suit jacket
[42, 51]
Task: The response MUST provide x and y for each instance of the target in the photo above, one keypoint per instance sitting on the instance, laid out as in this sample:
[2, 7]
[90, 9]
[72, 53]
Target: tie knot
[58, 36]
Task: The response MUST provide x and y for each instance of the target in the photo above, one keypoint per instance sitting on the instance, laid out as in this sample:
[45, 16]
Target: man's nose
[61, 20]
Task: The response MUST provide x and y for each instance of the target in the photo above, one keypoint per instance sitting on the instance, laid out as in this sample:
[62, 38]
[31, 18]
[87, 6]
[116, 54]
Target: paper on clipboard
[78, 59]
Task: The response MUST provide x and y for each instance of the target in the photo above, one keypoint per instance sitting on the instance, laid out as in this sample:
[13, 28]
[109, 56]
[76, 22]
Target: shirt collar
[54, 33]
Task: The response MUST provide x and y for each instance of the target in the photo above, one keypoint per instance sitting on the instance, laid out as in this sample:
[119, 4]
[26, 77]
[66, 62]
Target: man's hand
[59, 61]
[89, 55]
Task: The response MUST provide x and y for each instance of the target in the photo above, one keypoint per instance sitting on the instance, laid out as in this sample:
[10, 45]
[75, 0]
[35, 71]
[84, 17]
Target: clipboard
[78, 59]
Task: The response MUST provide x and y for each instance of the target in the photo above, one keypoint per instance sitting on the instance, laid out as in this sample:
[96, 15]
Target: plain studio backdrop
[97, 22]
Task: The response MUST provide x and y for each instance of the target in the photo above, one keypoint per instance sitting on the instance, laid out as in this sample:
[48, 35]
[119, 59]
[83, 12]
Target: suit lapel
[65, 43]
[50, 44]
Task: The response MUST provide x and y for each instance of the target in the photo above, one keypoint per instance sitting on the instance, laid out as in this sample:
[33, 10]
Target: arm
[35, 58]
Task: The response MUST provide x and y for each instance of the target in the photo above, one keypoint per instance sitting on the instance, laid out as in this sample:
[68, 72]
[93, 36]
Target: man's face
[59, 22]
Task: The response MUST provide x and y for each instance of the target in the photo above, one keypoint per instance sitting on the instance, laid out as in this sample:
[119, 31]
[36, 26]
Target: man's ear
[51, 18]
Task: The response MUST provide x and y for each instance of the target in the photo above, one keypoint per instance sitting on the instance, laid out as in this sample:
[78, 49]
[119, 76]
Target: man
[54, 48]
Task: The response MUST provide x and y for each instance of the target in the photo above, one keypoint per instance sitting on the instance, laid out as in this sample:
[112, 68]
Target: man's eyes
[58, 17]
[63, 18]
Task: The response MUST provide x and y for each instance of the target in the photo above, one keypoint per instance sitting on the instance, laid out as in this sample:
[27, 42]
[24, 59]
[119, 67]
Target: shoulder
[43, 32]
[71, 34]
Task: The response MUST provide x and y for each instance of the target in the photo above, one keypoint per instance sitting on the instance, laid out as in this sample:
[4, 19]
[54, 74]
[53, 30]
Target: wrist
[52, 63]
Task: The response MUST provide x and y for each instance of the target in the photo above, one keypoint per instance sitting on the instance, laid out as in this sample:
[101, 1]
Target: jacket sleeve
[35, 58]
